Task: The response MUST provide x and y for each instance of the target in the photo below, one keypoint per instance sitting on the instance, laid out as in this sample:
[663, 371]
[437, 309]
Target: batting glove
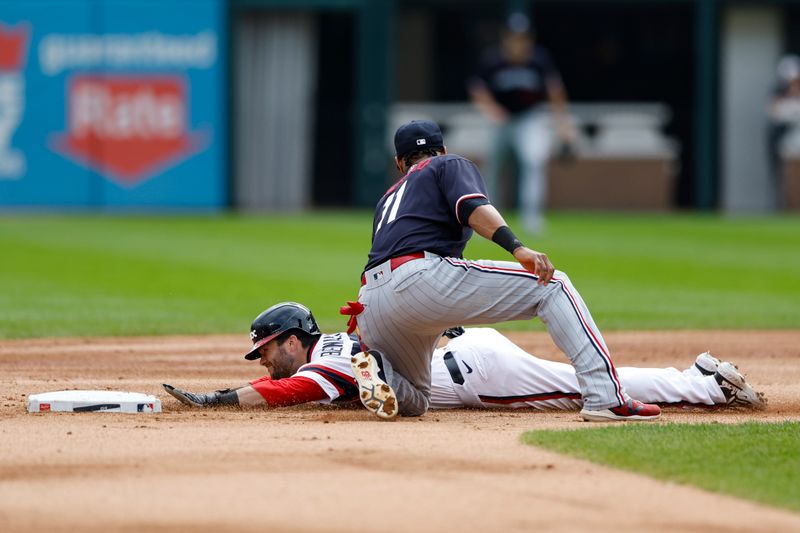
[219, 397]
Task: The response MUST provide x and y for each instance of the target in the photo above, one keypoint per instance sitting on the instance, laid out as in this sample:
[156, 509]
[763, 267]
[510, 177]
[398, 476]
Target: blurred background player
[784, 112]
[513, 83]
[478, 367]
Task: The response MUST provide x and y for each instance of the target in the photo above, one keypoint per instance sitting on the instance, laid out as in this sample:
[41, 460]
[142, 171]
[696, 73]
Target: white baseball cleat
[707, 364]
[736, 390]
[376, 395]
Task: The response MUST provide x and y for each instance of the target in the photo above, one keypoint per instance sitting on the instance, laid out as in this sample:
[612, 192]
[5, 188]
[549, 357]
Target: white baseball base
[93, 401]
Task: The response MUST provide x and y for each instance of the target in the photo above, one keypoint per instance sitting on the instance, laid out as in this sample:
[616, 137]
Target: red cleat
[630, 410]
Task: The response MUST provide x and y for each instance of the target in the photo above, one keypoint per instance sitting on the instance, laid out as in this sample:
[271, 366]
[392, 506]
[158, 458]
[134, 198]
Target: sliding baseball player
[478, 367]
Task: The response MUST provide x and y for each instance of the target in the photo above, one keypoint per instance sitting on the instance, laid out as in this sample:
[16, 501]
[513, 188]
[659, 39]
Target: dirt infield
[326, 469]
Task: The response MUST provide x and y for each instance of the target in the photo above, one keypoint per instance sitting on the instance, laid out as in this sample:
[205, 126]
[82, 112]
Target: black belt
[452, 367]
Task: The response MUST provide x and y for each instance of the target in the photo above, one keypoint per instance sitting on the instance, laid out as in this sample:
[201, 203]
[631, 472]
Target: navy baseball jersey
[518, 87]
[420, 212]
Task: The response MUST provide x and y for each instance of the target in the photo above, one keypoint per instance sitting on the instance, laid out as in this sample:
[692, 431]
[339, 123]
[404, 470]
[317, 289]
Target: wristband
[224, 397]
[506, 239]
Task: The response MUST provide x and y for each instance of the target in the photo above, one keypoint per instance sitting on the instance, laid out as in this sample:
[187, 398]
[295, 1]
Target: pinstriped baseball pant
[406, 311]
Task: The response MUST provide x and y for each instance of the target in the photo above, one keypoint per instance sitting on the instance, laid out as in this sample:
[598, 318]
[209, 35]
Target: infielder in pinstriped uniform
[477, 368]
[416, 284]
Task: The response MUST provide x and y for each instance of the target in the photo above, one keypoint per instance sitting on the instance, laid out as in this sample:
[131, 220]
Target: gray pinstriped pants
[406, 311]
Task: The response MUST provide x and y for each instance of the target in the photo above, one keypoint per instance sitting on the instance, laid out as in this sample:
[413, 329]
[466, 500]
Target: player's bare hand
[535, 262]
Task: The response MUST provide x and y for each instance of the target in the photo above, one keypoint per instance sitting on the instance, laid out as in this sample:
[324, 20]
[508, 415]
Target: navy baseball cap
[417, 135]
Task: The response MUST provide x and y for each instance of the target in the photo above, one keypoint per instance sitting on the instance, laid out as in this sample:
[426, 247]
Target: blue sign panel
[112, 103]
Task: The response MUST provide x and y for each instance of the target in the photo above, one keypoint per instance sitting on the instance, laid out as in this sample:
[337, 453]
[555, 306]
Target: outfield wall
[123, 104]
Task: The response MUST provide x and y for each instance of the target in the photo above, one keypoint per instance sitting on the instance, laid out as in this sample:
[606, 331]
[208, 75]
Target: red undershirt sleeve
[288, 391]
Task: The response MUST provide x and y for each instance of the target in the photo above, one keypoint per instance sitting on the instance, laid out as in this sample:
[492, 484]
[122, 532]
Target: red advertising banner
[130, 127]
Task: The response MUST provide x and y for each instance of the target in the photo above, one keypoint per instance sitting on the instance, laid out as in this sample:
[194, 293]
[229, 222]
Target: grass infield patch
[755, 461]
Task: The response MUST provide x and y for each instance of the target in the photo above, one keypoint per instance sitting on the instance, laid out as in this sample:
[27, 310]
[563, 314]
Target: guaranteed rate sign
[128, 128]
[113, 105]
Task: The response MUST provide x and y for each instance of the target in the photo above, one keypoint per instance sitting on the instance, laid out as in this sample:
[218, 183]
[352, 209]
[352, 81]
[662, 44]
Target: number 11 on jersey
[392, 201]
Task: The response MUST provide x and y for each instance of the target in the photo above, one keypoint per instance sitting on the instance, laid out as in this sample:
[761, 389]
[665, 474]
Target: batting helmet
[280, 318]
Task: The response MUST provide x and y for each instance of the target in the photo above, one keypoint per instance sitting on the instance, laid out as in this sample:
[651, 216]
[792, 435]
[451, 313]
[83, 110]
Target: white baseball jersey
[325, 378]
[482, 368]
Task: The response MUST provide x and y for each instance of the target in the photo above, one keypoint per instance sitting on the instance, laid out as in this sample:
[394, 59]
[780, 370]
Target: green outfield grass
[134, 275]
[759, 462]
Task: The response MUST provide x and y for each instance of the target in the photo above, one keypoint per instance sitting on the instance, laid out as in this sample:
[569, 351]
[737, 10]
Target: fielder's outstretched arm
[489, 224]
